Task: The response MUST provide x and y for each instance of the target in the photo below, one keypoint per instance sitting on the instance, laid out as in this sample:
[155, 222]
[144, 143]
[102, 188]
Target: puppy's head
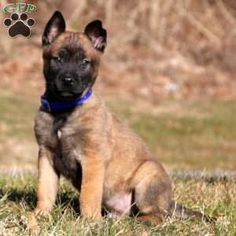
[71, 59]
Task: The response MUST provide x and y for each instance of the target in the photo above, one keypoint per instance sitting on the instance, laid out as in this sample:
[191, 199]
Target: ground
[195, 139]
[212, 196]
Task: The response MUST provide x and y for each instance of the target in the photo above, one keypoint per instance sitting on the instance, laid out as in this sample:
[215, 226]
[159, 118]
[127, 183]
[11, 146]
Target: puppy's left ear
[97, 35]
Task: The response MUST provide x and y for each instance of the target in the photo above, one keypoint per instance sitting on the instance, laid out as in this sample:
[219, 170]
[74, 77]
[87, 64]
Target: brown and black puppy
[81, 139]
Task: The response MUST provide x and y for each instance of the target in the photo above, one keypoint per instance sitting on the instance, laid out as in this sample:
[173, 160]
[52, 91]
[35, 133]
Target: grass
[186, 135]
[17, 113]
[16, 130]
[217, 198]
[195, 134]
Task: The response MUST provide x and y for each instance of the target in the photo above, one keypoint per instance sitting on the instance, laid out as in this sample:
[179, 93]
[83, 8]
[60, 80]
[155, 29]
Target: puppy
[79, 138]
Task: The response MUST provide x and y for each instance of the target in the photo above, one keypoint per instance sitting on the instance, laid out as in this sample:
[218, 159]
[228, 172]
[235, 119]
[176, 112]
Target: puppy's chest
[67, 149]
[67, 157]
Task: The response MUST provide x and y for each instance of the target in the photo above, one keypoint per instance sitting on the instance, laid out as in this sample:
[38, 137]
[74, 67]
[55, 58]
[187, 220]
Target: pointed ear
[96, 34]
[55, 26]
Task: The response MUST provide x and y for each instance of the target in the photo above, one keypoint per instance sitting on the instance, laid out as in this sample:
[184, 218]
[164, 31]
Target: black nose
[68, 81]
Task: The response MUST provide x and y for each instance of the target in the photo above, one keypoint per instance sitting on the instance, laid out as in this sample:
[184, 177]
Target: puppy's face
[71, 59]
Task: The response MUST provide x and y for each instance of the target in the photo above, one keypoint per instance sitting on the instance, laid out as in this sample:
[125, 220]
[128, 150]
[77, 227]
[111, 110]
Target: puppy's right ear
[55, 26]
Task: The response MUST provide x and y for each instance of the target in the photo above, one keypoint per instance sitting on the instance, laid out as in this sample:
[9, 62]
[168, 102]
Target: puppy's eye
[86, 61]
[57, 58]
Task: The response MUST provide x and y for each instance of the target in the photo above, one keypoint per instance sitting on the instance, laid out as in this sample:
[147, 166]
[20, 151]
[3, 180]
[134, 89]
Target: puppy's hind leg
[152, 192]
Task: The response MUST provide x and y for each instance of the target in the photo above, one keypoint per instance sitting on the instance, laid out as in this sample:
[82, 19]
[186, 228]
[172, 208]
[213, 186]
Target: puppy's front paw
[91, 215]
[33, 226]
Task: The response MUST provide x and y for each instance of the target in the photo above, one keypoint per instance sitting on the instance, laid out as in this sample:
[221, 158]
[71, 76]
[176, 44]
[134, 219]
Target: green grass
[17, 197]
[183, 134]
[18, 147]
[17, 114]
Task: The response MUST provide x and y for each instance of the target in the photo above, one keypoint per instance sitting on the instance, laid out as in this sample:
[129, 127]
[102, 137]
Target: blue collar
[65, 105]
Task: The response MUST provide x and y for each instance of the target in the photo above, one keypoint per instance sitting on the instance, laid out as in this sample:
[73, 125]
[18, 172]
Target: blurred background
[169, 70]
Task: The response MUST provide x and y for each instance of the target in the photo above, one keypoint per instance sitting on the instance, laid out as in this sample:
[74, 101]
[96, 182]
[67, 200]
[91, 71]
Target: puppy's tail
[183, 212]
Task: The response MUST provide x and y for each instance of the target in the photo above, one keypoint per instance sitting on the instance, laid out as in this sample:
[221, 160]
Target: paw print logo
[19, 24]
